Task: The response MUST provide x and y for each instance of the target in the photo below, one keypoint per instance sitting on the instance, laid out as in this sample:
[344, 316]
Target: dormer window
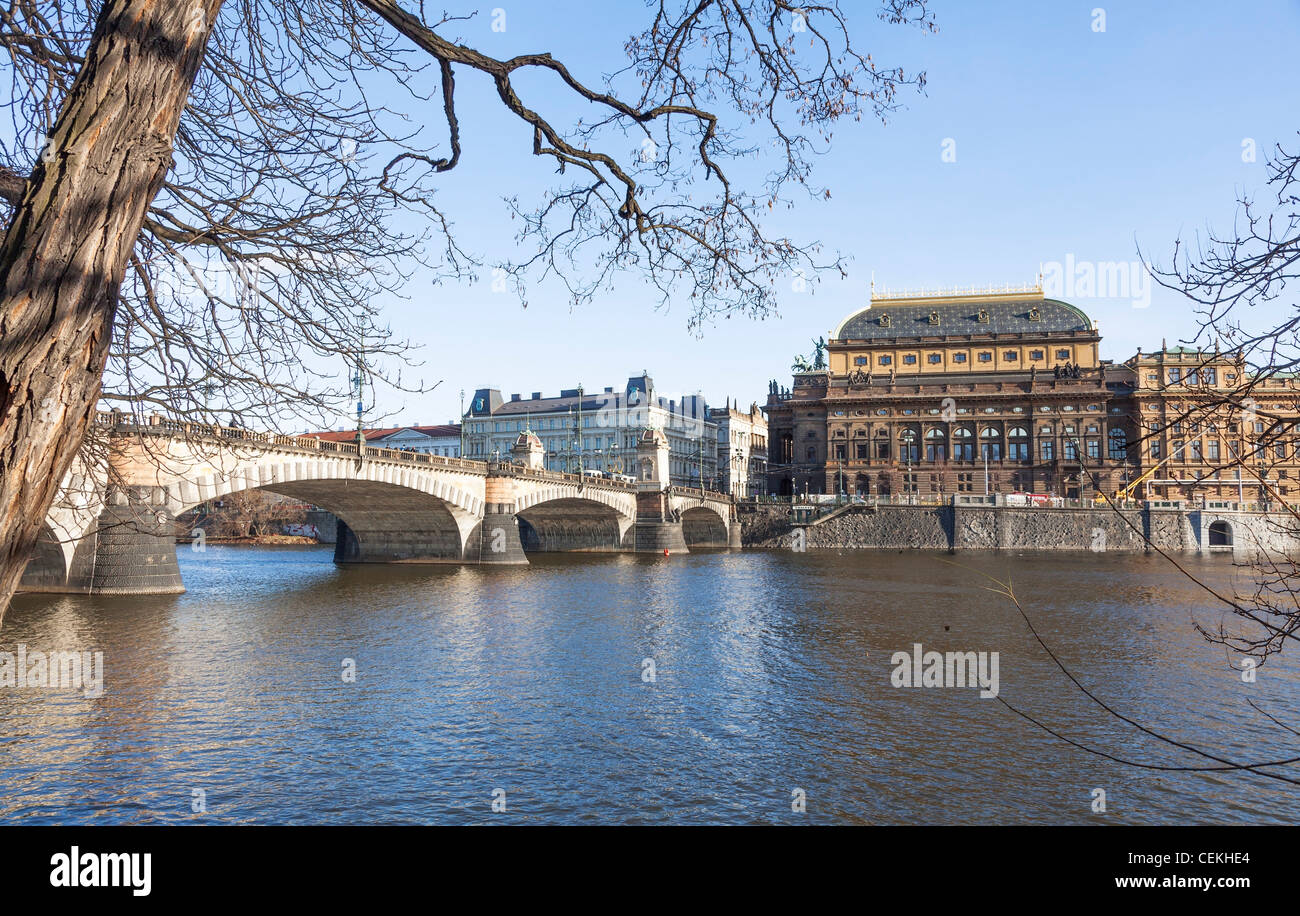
[884, 320]
[934, 318]
[983, 316]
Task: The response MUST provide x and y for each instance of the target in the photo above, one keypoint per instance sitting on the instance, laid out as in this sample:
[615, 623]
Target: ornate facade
[1005, 392]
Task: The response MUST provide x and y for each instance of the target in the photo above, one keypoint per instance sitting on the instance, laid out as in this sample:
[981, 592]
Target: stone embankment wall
[1099, 529]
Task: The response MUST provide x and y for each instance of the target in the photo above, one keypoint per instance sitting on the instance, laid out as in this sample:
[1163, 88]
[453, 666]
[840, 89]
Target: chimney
[514, 397]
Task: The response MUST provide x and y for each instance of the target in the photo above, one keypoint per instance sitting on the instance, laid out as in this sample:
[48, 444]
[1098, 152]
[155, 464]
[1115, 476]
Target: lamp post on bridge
[358, 381]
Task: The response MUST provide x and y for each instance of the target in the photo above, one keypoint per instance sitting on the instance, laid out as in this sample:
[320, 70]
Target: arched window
[1018, 444]
[1119, 445]
[936, 445]
[962, 447]
[991, 447]
[908, 451]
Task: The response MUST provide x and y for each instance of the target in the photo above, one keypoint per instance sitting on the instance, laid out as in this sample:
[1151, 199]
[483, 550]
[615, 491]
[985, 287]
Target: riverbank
[995, 527]
[260, 540]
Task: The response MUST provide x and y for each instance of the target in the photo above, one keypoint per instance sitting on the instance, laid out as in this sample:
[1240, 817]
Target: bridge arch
[279, 471]
[47, 568]
[593, 522]
[704, 526]
[389, 513]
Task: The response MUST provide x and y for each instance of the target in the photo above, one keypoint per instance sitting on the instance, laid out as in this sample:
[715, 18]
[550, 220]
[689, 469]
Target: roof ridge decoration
[959, 292]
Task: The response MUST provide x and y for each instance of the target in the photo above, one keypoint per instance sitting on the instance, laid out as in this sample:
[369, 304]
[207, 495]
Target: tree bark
[63, 256]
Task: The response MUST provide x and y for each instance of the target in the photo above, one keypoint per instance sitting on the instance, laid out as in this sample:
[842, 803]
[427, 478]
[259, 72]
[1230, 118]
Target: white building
[436, 440]
[585, 430]
[742, 450]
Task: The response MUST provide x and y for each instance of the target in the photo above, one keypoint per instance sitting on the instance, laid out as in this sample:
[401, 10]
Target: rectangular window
[1069, 451]
[909, 359]
[991, 451]
[1010, 355]
[1062, 354]
[986, 357]
[1094, 448]
[935, 358]
[1212, 449]
[1047, 450]
[959, 357]
[885, 360]
[1194, 448]
[1155, 449]
[839, 451]
[1035, 354]
[1178, 451]
[882, 449]
[862, 450]
[1210, 375]
[859, 360]
[1175, 376]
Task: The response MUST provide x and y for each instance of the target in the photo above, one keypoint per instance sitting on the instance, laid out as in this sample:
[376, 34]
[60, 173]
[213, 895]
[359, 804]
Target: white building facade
[441, 440]
[742, 450]
[582, 430]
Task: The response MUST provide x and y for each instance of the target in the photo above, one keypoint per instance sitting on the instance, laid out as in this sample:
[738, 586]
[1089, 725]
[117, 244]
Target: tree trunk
[64, 254]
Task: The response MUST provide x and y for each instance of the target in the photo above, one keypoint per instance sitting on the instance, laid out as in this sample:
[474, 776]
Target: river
[708, 688]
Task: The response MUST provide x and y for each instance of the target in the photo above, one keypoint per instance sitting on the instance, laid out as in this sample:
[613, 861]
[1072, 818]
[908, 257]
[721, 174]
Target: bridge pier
[733, 536]
[499, 543]
[135, 552]
[660, 537]
[131, 550]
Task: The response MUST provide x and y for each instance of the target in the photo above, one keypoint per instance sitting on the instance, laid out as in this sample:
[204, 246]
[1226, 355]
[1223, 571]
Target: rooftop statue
[819, 353]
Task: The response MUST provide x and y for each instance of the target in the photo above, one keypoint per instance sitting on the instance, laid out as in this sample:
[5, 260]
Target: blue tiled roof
[886, 320]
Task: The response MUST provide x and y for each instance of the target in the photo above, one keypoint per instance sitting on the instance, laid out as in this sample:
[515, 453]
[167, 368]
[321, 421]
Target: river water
[709, 688]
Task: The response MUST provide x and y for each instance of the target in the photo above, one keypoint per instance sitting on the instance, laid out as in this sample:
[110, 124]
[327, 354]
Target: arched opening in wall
[785, 487]
[381, 522]
[46, 569]
[561, 525]
[862, 485]
[1220, 534]
[703, 528]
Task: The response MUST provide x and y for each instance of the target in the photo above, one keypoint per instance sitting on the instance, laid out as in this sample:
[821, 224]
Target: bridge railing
[118, 422]
[518, 470]
[700, 493]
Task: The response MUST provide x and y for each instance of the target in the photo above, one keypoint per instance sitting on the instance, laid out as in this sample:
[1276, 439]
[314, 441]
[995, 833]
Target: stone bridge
[113, 528]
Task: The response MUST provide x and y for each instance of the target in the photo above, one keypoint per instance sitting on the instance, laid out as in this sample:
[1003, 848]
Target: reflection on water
[771, 672]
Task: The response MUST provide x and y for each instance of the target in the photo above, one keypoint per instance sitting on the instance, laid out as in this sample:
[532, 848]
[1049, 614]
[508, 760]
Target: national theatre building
[930, 395]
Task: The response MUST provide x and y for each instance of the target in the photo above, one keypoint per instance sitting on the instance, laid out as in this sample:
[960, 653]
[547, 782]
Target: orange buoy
[665, 551]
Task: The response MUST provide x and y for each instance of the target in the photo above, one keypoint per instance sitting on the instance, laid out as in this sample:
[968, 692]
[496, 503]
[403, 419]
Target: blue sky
[1069, 143]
